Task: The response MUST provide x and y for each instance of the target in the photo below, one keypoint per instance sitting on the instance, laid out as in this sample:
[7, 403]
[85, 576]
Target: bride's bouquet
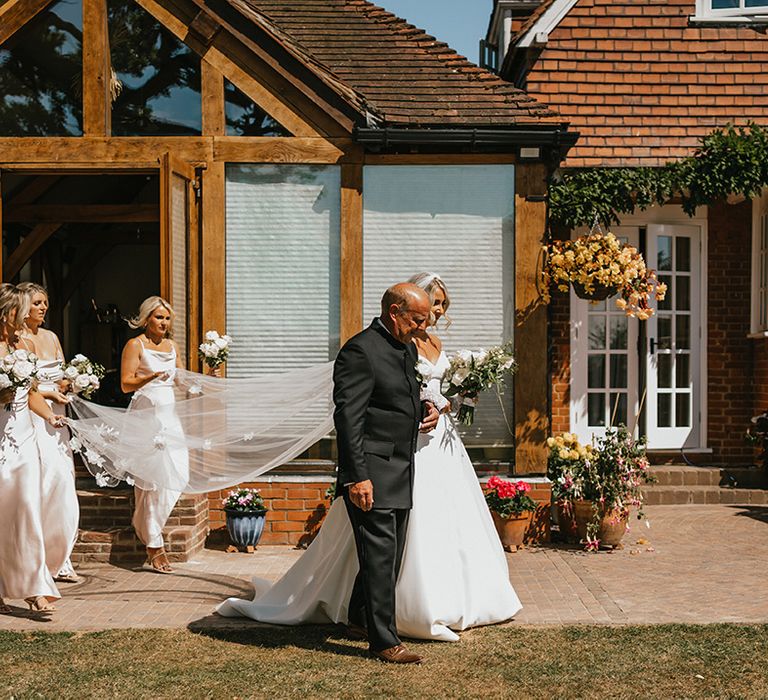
[83, 375]
[473, 372]
[215, 350]
[17, 371]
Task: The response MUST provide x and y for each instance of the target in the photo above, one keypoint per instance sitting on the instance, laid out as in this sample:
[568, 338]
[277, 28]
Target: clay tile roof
[406, 76]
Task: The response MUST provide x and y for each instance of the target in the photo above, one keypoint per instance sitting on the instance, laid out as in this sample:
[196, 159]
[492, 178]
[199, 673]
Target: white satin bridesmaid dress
[153, 507]
[61, 510]
[454, 573]
[23, 569]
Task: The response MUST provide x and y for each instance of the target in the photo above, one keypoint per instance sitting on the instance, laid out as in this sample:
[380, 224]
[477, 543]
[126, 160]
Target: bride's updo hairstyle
[429, 282]
[13, 299]
[147, 308]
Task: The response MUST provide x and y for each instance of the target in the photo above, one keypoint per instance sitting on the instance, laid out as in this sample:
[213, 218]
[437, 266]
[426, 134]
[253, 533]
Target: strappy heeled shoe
[4, 609]
[40, 604]
[162, 567]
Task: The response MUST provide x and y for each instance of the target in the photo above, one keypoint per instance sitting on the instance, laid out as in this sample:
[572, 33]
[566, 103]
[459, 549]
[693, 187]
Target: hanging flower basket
[598, 292]
[599, 266]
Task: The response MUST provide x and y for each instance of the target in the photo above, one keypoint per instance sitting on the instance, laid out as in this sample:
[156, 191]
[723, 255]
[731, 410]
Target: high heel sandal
[40, 604]
[162, 568]
[4, 609]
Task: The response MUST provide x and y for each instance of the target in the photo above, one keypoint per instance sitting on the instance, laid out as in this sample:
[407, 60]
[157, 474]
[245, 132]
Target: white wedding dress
[23, 570]
[61, 511]
[454, 573]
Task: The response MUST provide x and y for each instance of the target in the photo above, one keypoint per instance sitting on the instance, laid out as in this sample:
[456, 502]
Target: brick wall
[297, 509]
[729, 352]
[560, 359]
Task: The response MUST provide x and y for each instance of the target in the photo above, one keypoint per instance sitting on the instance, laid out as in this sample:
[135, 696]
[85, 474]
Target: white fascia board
[547, 22]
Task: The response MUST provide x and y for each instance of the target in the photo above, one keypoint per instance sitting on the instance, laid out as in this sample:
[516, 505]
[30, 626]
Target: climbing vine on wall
[733, 160]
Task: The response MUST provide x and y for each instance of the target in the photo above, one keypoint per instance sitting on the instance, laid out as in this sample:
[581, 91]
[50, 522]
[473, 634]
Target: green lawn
[669, 661]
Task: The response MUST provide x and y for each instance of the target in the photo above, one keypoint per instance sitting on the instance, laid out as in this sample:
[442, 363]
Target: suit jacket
[377, 414]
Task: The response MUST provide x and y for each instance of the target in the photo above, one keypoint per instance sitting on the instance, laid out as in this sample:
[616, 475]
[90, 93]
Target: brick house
[269, 167]
[642, 81]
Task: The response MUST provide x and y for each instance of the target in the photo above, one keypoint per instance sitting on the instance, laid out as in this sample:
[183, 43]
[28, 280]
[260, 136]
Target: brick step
[121, 546]
[106, 534]
[658, 495]
[684, 475]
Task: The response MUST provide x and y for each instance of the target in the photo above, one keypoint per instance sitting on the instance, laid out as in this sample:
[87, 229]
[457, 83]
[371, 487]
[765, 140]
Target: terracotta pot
[566, 521]
[599, 294]
[512, 530]
[611, 527]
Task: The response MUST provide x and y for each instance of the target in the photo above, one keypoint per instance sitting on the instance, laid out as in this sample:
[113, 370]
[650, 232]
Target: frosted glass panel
[456, 221]
[282, 266]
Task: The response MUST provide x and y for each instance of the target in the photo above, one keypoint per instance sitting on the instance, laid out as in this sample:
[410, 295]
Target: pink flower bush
[508, 498]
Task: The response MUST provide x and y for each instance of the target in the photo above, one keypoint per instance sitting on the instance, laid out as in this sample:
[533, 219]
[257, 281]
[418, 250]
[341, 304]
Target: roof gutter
[558, 137]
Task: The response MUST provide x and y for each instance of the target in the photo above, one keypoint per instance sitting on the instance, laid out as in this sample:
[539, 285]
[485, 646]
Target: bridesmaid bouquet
[18, 370]
[473, 372]
[83, 375]
[215, 350]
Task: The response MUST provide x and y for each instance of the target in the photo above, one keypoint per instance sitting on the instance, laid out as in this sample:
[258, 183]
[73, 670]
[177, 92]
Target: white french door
[644, 374]
[604, 367]
[673, 352]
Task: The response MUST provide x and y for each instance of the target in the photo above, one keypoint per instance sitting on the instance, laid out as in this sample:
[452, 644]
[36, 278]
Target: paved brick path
[708, 564]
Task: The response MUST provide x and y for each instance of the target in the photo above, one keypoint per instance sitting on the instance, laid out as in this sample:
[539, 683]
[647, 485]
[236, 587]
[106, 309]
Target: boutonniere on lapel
[422, 370]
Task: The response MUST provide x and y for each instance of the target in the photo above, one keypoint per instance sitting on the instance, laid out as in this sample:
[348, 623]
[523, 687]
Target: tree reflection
[160, 76]
[41, 75]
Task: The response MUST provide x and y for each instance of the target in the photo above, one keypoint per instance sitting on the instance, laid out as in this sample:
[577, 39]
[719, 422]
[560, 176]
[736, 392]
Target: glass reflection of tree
[41, 75]
[160, 76]
[245, 118]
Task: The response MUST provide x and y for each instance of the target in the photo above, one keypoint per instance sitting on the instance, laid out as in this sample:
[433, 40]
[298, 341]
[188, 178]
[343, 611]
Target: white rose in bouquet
[23, 369]
[21, 354]
[83, 381]
[5, 382]
[78, 359]
[211, 335]
[70, 372]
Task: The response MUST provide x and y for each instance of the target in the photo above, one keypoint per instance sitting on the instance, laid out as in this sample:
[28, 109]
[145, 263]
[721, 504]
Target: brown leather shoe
[356, 632]
[398, 655]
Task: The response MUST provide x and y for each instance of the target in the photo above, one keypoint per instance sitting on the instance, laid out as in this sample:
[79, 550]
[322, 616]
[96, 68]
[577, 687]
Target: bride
[454, 572]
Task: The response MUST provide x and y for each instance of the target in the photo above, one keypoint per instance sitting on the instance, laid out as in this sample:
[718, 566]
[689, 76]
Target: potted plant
[599, 266]
[246, 515]
[565, 464]
[511, 508]
[606, 483]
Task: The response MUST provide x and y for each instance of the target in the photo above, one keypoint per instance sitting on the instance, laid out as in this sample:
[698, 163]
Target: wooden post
[97, 104]
[212, 89]
[531, 382]
[351, 246]
[213, 249]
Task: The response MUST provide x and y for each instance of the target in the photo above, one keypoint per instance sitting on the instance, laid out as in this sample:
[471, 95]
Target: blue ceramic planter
[245, 528]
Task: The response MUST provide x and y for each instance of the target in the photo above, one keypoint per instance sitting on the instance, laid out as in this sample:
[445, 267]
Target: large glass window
[245, 118]
[283, 266]
[159, 76]
[41, 75]
[456, 221]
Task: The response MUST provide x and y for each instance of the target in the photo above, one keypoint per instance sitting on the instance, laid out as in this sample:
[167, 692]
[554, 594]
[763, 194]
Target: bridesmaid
[148, 367]
[23, 570]
[61, 512]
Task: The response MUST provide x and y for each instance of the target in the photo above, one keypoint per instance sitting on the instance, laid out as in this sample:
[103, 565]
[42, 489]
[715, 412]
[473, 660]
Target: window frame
[705, 13]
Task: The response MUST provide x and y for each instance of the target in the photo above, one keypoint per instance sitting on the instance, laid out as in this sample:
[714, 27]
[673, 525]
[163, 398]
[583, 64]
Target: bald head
[405, 310]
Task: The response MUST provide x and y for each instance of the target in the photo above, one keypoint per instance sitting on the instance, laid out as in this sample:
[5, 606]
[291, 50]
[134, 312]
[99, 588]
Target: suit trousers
[380, 540]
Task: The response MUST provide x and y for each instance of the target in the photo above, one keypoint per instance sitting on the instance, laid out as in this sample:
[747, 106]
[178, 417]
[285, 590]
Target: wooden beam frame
[83, 213]
[16, 13]
[28, 247]
[213, 259]
[351, 251]
[531, 332]
[97, 105]
[129, 152]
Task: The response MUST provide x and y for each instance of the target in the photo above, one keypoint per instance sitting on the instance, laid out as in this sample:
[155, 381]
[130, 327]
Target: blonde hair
[147, 308]
[33, 288]
[429, 282]
[13, 299]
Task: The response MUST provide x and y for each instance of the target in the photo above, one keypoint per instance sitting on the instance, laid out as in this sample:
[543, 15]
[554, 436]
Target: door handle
[653, 345]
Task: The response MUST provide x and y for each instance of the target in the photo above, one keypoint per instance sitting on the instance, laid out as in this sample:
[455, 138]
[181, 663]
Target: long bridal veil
[229, 430]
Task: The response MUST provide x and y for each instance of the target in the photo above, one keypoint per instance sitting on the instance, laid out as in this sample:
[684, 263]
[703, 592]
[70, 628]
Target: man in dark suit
[378, 417]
